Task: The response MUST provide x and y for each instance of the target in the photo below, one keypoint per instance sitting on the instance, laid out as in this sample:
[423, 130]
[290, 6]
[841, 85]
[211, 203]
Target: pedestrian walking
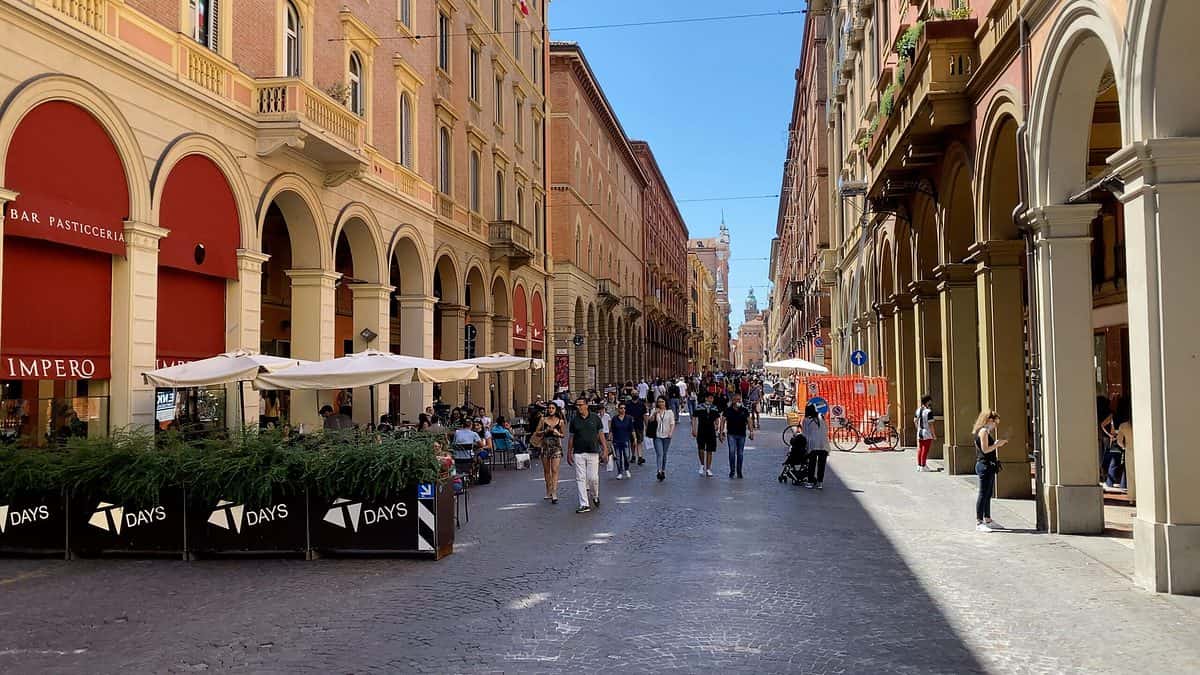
[673, 398]
[586, 450]
[622, 427]
[816, 435]
[636, 409]
[704, 430]
[660, 428]
[735, 424]
[755, 399]
[691, 402]
[987, 465]
[549, 433]
[924, 421]
[643, 389]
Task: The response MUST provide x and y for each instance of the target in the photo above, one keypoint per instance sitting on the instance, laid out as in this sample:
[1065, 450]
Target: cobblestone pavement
[880, 572]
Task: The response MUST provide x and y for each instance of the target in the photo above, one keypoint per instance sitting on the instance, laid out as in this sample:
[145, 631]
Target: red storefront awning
[59, 237]
[537, 325]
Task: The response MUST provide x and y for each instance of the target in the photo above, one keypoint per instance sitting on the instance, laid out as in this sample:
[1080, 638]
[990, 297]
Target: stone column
[243, 329]
[453, 321]
[313, 333]
[1000, 279]
[927, 343]
[887, 359]
[134, 312]
[960, 364]
[869, 340]
[372, 311]
[524, 381]
[416, 339]
[481, 388]
[1064, 280]
[907, 394]
[1162, 198]
[502, 342]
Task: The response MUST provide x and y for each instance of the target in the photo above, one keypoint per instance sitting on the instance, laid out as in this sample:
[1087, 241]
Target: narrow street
[881, 571]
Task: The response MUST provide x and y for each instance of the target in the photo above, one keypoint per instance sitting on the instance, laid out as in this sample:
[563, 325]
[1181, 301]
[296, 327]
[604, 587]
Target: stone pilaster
[1162, 198]
[481, 388]
[999, 281]
[502, 342]
[960, 364]
[907, 394]
[887, 358]
[312, 335]
[453, 322]
[1064, 288]
[243, 328]
[415, 339]
[134, 311]
[372, 311]
[927, 343]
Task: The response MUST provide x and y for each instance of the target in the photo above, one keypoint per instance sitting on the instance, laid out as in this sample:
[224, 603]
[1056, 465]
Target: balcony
[293, 113]
[931, 98]
[629, 304]
[608, 291]
[509, 241]
[795, 294]
[653, 305]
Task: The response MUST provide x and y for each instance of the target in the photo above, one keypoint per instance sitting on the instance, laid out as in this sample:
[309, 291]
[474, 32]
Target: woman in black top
[987, 465]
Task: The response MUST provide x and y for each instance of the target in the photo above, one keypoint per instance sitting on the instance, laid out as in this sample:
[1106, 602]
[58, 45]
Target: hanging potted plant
[372, 493]
[32, 502]
[125, 493]
[246, 494]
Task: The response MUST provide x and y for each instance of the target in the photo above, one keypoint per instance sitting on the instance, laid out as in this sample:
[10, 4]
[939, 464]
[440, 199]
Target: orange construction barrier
[855, 398]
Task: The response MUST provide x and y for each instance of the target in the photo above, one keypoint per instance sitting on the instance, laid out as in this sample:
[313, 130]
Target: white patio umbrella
[367, 369]
[501, 362]
[235, 366]
[795, 366]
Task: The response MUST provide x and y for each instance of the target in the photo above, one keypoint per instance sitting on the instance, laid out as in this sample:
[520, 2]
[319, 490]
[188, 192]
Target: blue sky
[712, 99]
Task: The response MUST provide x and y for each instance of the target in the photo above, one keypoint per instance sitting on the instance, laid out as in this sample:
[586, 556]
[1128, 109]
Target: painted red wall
[199, 209]
[191, 315]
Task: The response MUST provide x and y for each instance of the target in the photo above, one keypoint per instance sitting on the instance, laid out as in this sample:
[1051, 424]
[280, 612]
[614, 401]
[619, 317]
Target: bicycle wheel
[893, 437]
[788, 433]
[845, 438]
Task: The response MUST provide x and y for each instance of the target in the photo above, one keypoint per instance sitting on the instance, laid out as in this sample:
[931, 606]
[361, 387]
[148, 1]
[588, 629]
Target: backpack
[673, 391]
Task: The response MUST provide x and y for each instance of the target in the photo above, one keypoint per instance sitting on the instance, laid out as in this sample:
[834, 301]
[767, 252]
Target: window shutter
[214, 23]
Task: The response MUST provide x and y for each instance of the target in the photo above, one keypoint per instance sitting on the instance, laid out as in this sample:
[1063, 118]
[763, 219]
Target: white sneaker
[708, 472]
[701, 471]
[983, 527]
[620, 476]
[627, 474]
[920, 469]
[994, 525]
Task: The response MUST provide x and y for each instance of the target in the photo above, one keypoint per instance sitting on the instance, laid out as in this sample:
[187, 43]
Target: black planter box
[225, 526]
[418, 522]
[99, 525]
[33, 524]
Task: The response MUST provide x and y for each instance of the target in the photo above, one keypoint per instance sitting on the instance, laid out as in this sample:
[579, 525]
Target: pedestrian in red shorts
[925, 435]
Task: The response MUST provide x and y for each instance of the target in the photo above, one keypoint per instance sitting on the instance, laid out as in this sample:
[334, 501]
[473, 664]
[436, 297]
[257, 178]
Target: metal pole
[371, 422]
[242, 402]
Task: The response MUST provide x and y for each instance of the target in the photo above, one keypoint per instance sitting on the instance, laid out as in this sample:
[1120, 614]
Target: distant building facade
[713, 253]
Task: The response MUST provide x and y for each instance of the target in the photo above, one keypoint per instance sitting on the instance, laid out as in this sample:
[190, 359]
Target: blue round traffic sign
[820, 404]
[818, 342]
[858, 357]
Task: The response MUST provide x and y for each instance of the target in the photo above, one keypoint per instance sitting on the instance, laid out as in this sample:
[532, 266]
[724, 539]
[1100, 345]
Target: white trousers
[587, 473]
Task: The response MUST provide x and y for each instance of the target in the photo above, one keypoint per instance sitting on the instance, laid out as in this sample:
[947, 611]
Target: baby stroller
[795, 467]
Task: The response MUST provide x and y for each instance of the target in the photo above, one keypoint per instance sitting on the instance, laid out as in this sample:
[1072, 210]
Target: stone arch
[1163, 92]
[212, 150]
[475, 291]
[925, 237]
[361, 229]
[1082, 44]
[56, 87]
[406, 261]
[501, 300]
[906, 264]
[301, 207]
[446, 272]
[956, 231]
[887, 267]
[996, 174]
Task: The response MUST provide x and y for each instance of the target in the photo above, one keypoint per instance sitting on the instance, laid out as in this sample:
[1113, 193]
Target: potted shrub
[246, 494]
[373, 493]
[125, 493]
[32, 503]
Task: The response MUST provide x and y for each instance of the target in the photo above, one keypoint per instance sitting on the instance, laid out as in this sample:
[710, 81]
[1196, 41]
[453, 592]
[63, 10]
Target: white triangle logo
[337, 515]
[3, 517]
[226, 514]
[100, 517]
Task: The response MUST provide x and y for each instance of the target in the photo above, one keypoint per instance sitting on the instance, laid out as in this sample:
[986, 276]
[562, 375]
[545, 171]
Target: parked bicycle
[846, 435]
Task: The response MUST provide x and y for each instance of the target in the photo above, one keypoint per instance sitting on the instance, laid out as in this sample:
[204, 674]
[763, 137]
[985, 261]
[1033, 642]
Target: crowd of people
[621, 425]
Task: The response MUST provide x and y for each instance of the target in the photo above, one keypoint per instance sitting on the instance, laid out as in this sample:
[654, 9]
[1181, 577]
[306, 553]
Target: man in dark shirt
[704, 430]
[735, 422]
[636, 409]
[622, 427]
[585, 451]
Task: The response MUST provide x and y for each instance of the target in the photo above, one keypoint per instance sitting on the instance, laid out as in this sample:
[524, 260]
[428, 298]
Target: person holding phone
[987, 465]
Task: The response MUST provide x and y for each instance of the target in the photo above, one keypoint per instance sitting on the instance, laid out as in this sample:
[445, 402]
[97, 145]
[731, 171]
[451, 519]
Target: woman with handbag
[549, 434]
[987, 465]
[661, 427]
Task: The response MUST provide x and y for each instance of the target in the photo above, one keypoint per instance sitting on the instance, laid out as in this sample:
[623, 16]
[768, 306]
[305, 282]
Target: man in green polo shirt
[586, 450]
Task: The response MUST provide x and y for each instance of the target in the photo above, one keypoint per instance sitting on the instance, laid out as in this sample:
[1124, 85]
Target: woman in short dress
[551, 430]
